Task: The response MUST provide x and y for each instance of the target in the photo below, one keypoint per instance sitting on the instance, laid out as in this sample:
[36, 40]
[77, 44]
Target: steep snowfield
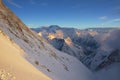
[55, 64]
[12, 64]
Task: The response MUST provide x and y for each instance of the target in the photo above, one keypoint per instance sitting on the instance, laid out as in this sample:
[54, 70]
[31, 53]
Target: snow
[25, 55]
[12, 64]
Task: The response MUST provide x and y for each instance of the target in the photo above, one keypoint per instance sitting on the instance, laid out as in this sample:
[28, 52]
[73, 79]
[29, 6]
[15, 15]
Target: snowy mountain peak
[51, 36]
[93, 33]
[54, 27]
[78, 33]
[68, 41]
[40, 34]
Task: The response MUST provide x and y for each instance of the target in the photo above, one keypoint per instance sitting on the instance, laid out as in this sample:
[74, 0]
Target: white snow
[12, 64]
[26, 56]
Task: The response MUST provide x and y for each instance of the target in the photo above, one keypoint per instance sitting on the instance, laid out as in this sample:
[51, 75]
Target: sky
[67, 13]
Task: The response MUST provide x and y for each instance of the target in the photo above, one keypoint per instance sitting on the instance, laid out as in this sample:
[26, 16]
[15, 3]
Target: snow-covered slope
[13, 66]
[46, 59]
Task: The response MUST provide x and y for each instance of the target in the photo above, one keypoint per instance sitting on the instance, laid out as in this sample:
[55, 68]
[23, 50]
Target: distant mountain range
[82, 44]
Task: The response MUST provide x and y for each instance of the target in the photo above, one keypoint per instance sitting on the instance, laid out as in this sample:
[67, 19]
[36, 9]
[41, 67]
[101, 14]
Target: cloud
[14, 4]
[103, 17]
[113, 40]
[109, 40]
[116, 20]
[111, 21]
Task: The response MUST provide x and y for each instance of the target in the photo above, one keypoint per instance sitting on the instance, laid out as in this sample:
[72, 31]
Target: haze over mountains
[27, 55]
